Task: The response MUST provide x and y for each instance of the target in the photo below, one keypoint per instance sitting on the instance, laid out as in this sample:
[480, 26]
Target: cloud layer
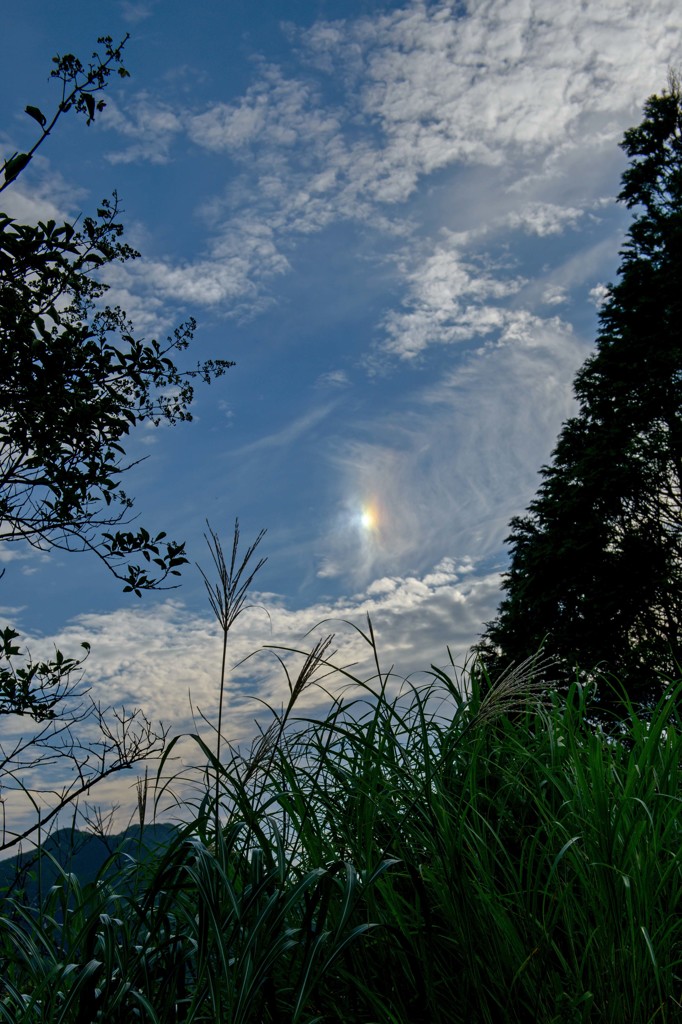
[382, 103]
[166, 660]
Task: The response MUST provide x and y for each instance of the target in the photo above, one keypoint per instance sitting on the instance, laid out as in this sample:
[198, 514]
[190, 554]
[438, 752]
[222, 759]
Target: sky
[399, 220]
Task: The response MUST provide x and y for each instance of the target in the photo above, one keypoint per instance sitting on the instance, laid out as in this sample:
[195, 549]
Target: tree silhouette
[596, 563]
[74, 381]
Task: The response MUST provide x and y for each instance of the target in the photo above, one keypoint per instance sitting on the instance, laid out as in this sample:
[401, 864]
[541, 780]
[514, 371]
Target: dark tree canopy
[596, 563]
[74, 381]
[74, 378]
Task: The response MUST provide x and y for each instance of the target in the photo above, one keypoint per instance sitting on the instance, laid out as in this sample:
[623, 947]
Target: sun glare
[368, 518]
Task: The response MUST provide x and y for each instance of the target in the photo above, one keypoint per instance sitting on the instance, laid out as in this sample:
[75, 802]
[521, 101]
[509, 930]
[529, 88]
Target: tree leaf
[90, 104]
[37, 115]
[15, 166]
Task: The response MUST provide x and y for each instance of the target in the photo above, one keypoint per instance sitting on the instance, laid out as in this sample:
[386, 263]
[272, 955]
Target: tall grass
[454, 852]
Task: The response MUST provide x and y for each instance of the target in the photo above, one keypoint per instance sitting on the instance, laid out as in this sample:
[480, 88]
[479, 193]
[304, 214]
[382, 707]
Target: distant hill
[80, 853]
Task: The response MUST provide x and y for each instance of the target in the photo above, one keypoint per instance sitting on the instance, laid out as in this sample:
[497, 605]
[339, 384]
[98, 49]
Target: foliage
[74, 382]
[80, 86]
[596, 564]
[414, 855]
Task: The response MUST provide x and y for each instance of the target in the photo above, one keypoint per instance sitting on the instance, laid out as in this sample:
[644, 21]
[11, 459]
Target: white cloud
[284, 436]
[40, 193]
[554, 295]
[599, 294]
[544, 218]
[531, 93]
[426, 87]
[136, 11]
[155, 657]
[447, 84]
[150, 124]
[333, 379]
[166, 659]
[446, 303]
[230, 277]
[275, 112]
[14, 553]
[29, 206]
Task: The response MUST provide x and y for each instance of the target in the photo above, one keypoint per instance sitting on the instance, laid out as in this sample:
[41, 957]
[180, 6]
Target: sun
[368, 517]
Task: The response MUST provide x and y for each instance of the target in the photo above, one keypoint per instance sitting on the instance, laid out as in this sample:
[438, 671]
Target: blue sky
[398, 219]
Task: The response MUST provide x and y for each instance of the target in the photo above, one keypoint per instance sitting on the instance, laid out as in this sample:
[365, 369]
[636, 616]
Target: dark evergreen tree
[596, 563]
